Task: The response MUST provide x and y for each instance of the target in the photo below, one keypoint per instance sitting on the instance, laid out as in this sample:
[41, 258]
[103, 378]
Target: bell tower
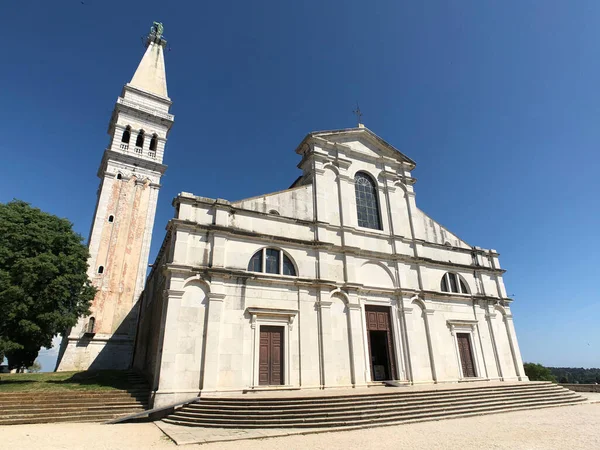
[119, 243]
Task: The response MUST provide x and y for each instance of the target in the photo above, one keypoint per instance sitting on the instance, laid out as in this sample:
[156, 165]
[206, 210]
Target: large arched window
[367, 206]
[126, 135]
[272, 260]
[139, 142]
[452, 282]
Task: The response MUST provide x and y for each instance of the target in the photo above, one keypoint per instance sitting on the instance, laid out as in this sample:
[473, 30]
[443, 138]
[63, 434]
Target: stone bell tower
[119, 242]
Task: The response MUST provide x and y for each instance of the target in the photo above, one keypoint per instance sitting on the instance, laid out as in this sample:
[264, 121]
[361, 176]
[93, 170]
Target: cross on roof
[358, 114]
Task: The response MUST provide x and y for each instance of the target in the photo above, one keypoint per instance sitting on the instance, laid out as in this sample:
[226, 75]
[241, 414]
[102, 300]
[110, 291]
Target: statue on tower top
[156, 34]
[157, 29]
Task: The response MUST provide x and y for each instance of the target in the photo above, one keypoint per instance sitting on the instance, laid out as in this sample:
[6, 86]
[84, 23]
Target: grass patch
[101, 380]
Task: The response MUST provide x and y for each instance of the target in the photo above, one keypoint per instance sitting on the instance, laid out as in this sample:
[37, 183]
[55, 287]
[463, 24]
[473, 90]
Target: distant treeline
[577, 375]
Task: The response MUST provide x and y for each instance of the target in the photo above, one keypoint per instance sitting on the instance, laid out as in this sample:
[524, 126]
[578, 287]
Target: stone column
[166, 379]
[357, 350]
[490, 315]
[210, 363]
[514, 347]
[326, 341]
[427, 313]
[407, 330]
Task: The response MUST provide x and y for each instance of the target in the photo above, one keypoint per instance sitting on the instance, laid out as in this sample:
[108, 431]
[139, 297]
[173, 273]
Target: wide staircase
[370, 409]
[73, 406]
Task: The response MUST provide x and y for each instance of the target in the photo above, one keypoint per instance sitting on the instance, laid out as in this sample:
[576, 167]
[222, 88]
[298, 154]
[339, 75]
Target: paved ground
[572, 427]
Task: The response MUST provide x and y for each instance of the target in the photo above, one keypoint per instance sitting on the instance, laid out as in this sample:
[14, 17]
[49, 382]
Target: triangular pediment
[362, 140]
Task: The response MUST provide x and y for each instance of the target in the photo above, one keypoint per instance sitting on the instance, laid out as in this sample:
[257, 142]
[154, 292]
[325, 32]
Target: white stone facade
[208, 318]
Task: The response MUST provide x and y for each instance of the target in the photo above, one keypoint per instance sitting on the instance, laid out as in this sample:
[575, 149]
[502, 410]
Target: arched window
[119, 176]
[90, 325]
[272, 260]
[367, 206]
[126, 135]
[452, 282]
[153, 142]
[111, 218]
[101, 269]
[139, 142]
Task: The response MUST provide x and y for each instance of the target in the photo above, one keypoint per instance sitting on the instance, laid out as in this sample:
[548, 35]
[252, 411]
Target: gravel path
[572, 427]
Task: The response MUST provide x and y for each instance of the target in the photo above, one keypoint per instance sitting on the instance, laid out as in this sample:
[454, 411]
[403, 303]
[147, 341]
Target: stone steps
[372, 412]
[307, 412]
[393, 392]
[69, 412]
[358, 400]
[54, 419]
[73, 406]
[52, 400]
[70, 407]
[368, 410]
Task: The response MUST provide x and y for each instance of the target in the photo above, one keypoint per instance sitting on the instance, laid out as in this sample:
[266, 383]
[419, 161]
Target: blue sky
[498, 103]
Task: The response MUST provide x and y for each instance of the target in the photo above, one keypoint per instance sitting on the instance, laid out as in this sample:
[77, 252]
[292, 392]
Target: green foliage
[577, 375]
[44, 287]
[537, 372]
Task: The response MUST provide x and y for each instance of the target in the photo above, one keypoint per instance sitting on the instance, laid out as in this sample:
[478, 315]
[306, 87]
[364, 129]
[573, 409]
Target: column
[357, 350]
[426, 314]
[514, 347]
[326, 342]
[210, 363]
[490, 316]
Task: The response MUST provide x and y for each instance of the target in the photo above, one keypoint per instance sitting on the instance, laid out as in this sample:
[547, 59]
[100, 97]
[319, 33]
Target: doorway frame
[393, 358]
[466, 327]
[276, 318]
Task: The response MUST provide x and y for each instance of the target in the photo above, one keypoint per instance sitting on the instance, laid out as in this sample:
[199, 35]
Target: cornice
[130, 160]
[355, 251]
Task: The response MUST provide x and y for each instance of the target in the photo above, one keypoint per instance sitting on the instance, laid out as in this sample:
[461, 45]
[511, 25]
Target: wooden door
[270, 367]
[378, 319]
[466, 356]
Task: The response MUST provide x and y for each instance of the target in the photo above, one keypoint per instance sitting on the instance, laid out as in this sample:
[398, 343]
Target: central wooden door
[466, 355]
[270, 370]
[381, 349]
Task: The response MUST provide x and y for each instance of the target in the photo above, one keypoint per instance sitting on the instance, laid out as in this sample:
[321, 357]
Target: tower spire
[150, 75]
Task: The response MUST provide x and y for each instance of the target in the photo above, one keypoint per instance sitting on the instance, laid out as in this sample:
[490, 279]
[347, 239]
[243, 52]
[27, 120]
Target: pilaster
[210, 363]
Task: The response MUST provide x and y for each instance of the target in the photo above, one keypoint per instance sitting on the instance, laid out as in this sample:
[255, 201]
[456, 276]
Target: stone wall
[582, 387]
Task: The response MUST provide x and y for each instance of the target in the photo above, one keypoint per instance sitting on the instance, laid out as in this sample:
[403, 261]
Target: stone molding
[256, 312]
[224, 231]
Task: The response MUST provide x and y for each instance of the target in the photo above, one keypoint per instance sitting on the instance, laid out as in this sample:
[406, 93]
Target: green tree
[537, 372]
[44, 287]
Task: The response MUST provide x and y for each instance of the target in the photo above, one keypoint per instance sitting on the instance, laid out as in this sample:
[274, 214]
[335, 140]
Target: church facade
[338, 281]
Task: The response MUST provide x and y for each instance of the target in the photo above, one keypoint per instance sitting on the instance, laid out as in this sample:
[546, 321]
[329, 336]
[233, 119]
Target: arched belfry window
[272, 260]
[153, 142]
[126, 135]
[452, 282]
[139, 142]
[367, 206]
